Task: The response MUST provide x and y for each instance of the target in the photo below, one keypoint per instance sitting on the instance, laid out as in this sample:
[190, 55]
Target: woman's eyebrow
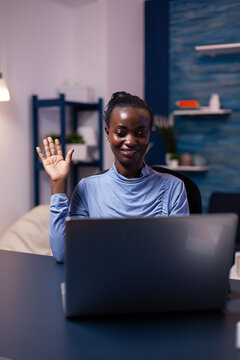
[122, 126]
[138, 127]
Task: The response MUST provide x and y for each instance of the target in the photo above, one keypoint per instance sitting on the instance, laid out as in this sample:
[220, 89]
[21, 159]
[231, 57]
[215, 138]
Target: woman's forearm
[58, 213]
[59, 187]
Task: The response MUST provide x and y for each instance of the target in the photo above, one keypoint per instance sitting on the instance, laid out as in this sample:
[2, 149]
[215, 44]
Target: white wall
[125, 50]
[109, 44]
[35, 49]
[45, 44]
[125, 46]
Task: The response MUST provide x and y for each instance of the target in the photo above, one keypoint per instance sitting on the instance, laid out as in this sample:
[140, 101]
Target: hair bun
[119, 94]
[124, 99]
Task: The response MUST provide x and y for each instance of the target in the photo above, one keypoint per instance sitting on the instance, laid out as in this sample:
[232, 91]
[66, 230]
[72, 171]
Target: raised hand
[54, 164]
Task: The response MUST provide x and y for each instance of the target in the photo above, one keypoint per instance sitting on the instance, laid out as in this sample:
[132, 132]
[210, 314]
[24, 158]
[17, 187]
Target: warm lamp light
[4, 92]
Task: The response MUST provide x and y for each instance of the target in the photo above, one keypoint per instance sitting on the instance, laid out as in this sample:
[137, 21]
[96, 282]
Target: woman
[129, 188]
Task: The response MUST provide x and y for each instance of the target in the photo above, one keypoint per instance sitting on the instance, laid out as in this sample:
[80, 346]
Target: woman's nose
[130, 139]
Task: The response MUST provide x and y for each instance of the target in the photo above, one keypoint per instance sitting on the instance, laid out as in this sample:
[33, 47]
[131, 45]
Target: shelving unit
[75, 108]
[219, 49]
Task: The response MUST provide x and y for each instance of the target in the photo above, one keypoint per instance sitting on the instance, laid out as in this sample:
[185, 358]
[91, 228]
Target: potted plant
[75, 141]
[54, 136]
[174, 160]
[165, 126]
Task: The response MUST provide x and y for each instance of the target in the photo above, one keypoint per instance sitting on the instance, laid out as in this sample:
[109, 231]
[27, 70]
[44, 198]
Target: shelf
[83, 106]
[190, 168]
[39, 165]
[219, 49]
[76, 108]
[203, 111]
[86, 163]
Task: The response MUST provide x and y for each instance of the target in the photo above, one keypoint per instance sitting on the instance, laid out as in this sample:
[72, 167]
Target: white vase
[168, 158]
[80, 152]
[214, 102]
[174, 163]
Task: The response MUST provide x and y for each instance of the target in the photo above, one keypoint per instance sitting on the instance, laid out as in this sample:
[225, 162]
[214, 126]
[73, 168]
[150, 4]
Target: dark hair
[124, 99]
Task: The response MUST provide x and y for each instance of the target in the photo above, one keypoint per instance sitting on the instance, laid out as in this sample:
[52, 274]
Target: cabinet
[75, 109]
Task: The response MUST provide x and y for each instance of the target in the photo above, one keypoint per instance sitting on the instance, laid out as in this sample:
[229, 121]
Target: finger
[51, 146]
[69, 155]
[59, 148]
[46, 148]
[40, 154]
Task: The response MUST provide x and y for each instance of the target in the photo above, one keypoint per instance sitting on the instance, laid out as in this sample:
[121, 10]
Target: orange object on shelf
[188, 104]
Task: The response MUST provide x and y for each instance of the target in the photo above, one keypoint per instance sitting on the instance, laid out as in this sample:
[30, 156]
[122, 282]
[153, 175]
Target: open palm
[54, 164]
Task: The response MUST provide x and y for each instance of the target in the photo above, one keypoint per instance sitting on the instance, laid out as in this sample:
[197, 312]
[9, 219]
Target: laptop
[144, 265]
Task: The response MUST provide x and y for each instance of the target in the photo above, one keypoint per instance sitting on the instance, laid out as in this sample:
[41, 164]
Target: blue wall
[195, 76]
[157, 55]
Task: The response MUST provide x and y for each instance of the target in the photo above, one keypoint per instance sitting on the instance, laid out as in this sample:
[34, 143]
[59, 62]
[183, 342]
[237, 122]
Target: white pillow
[30, 233]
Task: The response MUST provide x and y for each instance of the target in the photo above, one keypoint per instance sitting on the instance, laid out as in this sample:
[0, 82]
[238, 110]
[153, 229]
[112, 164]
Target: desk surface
[32, 324]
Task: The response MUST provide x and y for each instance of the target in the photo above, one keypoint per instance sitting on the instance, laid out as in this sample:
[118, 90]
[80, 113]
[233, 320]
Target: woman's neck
[129, 171]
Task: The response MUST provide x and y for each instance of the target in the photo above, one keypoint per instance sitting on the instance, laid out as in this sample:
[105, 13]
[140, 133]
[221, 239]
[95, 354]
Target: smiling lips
[129, 152]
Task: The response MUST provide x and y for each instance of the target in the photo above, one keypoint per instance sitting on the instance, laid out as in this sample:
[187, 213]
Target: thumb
[69, 155]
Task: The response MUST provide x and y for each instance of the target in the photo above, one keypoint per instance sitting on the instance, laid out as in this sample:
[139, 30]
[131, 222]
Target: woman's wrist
[58, 186]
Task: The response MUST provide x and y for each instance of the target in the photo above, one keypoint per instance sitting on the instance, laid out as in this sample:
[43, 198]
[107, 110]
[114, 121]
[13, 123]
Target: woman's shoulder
[91, 183]
[95, 177]
[166, 177]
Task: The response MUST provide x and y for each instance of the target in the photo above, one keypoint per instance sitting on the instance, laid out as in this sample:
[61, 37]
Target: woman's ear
[107, 131]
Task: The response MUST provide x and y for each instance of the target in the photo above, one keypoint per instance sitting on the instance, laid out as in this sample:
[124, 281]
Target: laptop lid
[134, 265]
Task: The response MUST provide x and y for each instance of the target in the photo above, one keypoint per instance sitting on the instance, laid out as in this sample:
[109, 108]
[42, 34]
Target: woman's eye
[121, 133]
[141, 133]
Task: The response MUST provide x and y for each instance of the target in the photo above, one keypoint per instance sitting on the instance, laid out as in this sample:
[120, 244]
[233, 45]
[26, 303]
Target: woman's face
[129, 133]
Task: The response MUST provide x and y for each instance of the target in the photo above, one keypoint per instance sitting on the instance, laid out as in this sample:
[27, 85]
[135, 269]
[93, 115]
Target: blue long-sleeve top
[113, 195]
